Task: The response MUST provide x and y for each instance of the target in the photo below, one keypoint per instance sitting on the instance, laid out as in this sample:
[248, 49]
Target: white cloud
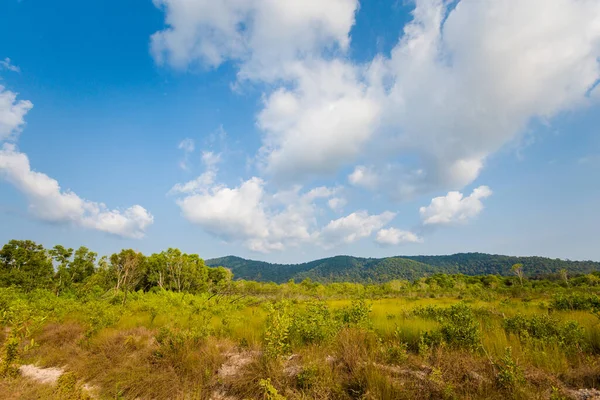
[469, 80]
[12, 114]
[49, 203]
[262, 221]
[264, 35]
[460, 84]
[353, 227]
[337, 203]
[364, 177]
[394, 237]
[188, 147]
[319, 125]
[8, 65]
[205, 180]
[454, 208]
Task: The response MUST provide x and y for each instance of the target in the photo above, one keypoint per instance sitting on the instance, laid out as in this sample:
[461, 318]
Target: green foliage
[10, 356]
[277, 331]
[459, 327]
[177, 271]
[315, 324]
[308, 377]
[357, 314]
[379, 270]
[269, 391]
[68, 388]
[509, 374]
[26, 265]
[544, 328]
[575, 301]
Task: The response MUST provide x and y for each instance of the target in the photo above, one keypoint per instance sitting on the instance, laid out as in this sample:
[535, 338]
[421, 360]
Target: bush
[357, 314]
[546, 329]
[277, 332]
[576, 301]
[509, 373]
[460, 328]
[315, 324]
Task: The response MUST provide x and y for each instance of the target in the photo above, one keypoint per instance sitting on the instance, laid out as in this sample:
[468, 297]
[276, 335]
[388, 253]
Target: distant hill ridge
[378, 270]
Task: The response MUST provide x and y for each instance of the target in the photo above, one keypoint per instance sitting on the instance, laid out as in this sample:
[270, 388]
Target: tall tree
[83, 265]
[62, 258]
[25, 264]
[517, 269]
[129, 268]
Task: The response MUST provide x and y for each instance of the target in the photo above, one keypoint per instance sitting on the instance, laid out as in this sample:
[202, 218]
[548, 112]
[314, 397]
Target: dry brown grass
[24, 389]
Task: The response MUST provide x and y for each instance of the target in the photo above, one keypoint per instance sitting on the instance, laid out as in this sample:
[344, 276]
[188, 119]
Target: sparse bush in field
[357, 314]
[575, 301]
[394, 351]
[100, 316]
[546, 329]
[308, 377]
[269, 391]
[509, 374]
[277, 332]
[10, 356]
[460, 328]
[67, 388]
[315, 324]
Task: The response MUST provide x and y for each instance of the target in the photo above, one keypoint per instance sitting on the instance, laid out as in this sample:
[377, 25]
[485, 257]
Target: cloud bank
[461, 83]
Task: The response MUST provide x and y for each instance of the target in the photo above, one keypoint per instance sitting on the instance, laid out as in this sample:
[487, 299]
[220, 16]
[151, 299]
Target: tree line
[28, 265]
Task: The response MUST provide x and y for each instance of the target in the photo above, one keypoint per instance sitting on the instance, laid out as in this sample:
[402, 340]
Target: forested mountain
[356, 269]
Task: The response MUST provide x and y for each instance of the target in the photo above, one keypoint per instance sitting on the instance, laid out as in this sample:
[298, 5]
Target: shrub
[575, 301]
[67, 388]
[460, 328]
[315, 324]
[277, 333]
[509, 373]
[270, 393]
[546, 329]
[357, 314]
[10, 355]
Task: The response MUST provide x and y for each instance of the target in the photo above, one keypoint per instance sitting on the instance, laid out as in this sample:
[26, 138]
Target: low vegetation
[166, 326]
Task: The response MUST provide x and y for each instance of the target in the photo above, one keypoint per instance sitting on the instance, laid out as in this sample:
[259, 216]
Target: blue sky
[289, 131]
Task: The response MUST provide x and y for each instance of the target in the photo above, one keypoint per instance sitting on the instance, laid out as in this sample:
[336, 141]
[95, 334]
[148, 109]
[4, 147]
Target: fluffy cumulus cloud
[320, 124]
[260, 220]
[353, 227]
[469, 80]
[12, 114]
[464, 79]
[265, 36]
[48, 202]
[394, 237]
[461, 82]
[364, 177]
[454, 207]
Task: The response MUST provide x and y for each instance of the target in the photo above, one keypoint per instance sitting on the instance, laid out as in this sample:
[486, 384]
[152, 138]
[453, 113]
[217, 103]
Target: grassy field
[423, 345]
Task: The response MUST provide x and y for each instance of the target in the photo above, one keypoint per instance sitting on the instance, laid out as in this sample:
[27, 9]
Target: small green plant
[315, 324]
[509, 374]
[269, 391]
[10, 356]
[67, 388]
[307, 377]
[277, 333]
[460, 328]
[357, 314]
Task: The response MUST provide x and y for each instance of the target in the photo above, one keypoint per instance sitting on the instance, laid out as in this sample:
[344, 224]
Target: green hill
[377, 270]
